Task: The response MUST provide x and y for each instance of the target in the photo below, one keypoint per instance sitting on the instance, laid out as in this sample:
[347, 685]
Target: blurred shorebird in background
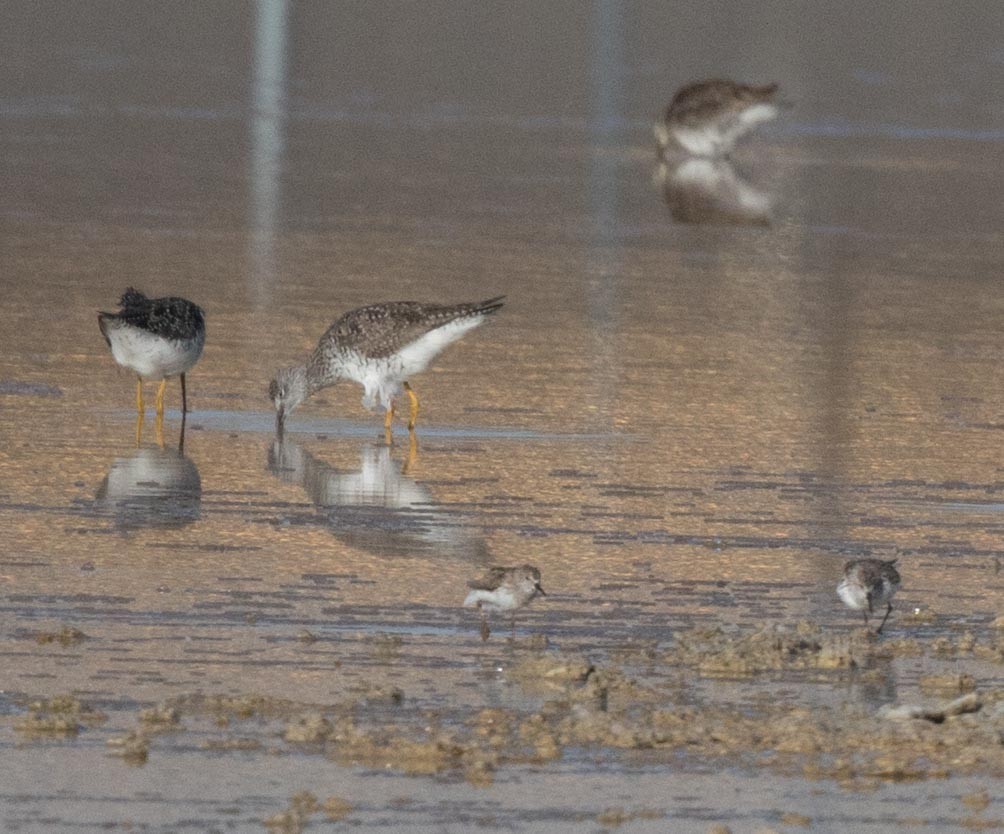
[707, 118]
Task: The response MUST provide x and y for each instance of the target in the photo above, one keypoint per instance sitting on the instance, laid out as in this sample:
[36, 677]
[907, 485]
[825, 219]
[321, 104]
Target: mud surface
[688, 416]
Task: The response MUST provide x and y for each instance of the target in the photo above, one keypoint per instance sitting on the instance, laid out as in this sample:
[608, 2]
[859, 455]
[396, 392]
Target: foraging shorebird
[708, 117]
[380, 347]
[868, 583]
[503, 589]
[158, 338]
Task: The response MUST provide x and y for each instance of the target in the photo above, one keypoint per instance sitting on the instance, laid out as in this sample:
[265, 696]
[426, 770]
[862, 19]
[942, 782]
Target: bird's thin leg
[865, 612]
[139, 395]
[388, 417]
[139, 428]
[413, 402]
[160, 398]
[184, 398]
[888, 611]
[159, 427]
[181, 436]
[485, 631]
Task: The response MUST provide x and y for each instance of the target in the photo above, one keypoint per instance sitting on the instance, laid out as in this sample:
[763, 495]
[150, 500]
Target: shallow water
[687, 414]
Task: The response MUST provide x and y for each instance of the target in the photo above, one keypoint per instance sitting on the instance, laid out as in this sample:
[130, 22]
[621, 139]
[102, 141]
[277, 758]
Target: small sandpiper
[158, 338]
[708, 117]
[868, 583]
[379, 346]
[503, 589]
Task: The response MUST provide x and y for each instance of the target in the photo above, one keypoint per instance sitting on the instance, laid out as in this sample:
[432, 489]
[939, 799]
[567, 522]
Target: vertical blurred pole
[604, 256]
[268, 143]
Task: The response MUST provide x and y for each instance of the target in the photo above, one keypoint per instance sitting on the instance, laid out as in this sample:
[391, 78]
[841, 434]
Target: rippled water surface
[711, 385]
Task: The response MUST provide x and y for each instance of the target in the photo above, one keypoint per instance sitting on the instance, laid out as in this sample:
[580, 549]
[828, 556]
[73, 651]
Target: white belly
[382, 378]
[500, 599]
[852, 595]
[150, 356]
[705, 141]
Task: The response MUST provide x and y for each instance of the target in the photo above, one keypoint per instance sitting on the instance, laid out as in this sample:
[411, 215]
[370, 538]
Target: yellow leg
[412, 453]
[139, 395]
[160, 399]
[388, 418]
[413, 401]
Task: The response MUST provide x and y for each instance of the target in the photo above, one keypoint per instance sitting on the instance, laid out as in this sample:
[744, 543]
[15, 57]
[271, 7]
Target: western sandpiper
[503, 589]
[380, 347]
[868, 583]
[708, 117]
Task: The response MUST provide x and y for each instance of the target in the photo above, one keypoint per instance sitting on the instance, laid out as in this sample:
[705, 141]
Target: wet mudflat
[689, 415]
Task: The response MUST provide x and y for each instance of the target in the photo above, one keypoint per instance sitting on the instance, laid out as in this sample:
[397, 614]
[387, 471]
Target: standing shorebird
[868, 583]
[380, 347]
[503, 589]
[708, 117]
[157, 338]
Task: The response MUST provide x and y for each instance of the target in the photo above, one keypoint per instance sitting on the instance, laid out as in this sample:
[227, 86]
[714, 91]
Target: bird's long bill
[540, 590]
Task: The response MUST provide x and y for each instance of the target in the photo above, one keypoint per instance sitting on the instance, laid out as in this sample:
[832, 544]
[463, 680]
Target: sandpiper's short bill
[867, 584]
[158, 338]
[707, 118]
[381, 347]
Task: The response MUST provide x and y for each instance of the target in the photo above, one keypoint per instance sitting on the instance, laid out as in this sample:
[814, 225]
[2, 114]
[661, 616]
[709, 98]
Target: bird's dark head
[532, 576]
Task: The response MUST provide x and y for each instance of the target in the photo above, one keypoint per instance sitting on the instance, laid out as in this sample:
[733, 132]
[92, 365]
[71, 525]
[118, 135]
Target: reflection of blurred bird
[380, 347]
[378, 507]
[152, 488]
[157, 338]
[868, 583]
[710, 191]
[503, 589]
[708, 117]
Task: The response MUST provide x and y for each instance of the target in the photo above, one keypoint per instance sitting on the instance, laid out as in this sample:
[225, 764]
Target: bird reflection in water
[151, 488]
[711, 191]
[378, 507]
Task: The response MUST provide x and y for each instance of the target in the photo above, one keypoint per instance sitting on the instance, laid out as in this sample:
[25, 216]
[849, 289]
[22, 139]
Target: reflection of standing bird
[868, 583]
[152, 488]
[503, 589]
[378, 507]
[380, 347]
[708, 117]
[157, 338]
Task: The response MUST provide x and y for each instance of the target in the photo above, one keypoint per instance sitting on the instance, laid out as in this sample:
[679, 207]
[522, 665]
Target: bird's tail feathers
[489, 306]
[104, 321]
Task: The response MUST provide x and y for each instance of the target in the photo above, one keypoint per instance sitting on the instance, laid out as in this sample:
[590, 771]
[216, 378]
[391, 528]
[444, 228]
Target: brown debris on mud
[566, 702]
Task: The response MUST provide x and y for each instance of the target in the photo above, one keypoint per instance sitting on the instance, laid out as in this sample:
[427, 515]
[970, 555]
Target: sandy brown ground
[688, 428]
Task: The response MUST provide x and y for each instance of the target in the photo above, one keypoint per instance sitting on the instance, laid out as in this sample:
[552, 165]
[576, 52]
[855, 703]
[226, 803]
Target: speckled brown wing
[380, 330]
[704, 100]
[489, 581]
